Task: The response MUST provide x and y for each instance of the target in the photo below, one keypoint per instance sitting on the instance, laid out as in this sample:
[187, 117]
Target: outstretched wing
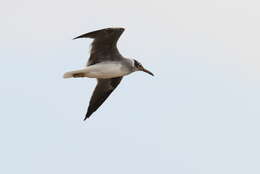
[104, 44]
[102, 91]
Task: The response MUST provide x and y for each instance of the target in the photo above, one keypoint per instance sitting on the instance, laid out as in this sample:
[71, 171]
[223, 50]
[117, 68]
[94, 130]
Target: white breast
[102, 70]
[106, 70]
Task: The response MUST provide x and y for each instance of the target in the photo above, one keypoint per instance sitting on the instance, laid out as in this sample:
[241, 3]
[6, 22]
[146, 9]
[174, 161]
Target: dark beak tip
[148, 72]
[151, 74]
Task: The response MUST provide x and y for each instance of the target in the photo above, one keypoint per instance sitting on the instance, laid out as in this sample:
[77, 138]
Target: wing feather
[102, 91]
[104, 45]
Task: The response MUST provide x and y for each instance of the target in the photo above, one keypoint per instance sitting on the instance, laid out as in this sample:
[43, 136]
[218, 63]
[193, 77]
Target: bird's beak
[147, 71]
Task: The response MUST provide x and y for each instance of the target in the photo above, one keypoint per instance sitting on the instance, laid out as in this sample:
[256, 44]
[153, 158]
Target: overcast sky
[199, 114]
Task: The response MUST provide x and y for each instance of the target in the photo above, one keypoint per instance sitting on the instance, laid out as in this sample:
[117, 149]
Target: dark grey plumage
[102, 91]
[106, 64]
[104, 48]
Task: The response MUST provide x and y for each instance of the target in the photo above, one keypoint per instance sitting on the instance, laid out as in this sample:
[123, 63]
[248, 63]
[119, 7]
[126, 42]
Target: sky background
[198, 115]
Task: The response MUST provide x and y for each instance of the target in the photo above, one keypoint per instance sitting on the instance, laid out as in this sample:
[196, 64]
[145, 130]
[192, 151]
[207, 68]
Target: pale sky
[198, 115]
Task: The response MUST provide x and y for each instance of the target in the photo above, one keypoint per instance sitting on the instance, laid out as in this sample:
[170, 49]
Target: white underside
[100, 70]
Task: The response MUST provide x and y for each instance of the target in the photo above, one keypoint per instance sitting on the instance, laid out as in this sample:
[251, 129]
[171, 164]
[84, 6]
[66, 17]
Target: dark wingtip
[88, 114]
[86, 117]
[77, 37]
[96, 33]
[87, 35]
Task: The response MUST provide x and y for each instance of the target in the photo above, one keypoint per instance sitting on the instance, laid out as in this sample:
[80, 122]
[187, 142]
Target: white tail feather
[67, 75]
[71, 73]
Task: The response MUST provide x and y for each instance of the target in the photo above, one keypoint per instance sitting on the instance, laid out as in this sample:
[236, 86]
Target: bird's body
[105, 64]
[104, 70]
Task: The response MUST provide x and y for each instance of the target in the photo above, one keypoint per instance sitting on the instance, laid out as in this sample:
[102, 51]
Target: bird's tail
[75, 74]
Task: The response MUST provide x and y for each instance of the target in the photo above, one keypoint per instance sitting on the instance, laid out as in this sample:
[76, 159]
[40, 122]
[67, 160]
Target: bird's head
[139, 67]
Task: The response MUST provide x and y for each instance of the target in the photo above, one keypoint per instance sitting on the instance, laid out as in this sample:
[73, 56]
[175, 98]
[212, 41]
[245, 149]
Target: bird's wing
[104, 45]
[103, 89]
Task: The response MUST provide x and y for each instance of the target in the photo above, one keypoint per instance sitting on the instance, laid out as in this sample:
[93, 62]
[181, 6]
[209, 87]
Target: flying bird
[106, 64]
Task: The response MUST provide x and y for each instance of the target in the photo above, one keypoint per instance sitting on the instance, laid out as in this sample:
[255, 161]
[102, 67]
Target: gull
[105, 64]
